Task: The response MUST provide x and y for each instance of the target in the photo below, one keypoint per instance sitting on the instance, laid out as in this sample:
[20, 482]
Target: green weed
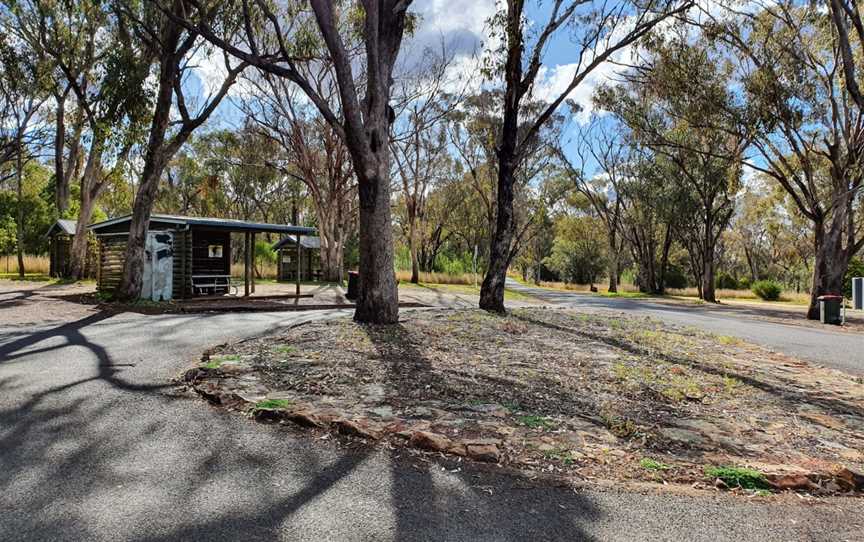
[742, 477]
[535, 422]
[273, 404]
[653, 464]
[216, 362]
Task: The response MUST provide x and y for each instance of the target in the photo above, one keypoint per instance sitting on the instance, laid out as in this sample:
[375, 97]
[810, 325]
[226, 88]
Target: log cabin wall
[112, 252]
[182, 264]
[310, 268]
[60, 256]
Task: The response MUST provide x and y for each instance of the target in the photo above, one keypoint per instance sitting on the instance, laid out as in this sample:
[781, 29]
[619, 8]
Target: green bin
[830, 307]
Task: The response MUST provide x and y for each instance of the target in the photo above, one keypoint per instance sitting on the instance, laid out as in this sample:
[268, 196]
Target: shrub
[725, 281]
[855, 269]
[739, 477]
[675, 277]
[769, 290]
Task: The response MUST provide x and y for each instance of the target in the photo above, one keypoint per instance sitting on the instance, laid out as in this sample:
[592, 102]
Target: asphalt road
[843, 350]
[95, 444]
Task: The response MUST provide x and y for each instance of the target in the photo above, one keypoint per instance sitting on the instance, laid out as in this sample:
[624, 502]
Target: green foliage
[652, 464]
[453, 264]
[535, 422]
[216, 362]
[8, 235]
[739, 477]
[855, 269]
[769, 290]
[578, 251]
[726, 281]
[273, 404]
[37, 203]
[676, 277]
[264, 252]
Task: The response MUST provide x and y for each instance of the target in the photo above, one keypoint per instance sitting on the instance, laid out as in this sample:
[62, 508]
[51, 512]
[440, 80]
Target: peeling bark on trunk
[613, 262]
[492, 290]
[91, 188]
[378, 299]
[831, 262]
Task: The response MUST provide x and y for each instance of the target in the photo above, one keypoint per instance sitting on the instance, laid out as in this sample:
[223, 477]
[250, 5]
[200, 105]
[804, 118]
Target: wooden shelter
[60, 236]
[301, 259]
[186, 256]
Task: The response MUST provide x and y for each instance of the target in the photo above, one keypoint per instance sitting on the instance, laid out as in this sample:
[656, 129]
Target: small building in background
[60, 236]
[184, 256]
[310, 258]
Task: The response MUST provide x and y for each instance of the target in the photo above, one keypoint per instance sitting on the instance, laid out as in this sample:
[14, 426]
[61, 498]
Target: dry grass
[745, 295]
[33, 264]
[626, 288]
[439, 278]
[267, 270]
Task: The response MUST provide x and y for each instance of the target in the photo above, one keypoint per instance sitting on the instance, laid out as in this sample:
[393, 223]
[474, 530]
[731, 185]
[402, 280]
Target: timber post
[252, 260]
[299, 264]
[246, 259]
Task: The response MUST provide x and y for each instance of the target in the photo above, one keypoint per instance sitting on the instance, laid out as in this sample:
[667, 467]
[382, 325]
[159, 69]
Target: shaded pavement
[840, 350]
[95, 444]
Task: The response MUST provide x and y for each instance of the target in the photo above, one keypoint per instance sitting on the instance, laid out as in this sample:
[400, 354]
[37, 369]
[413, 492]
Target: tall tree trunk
[378, 296]
[61, 177]
[330, 261]
[492, 290]
[412, 248]
[133, 265]
[613, 263]
[831, 263]
[708, 289]
[19, 174]
[78, 253]
[91, 187]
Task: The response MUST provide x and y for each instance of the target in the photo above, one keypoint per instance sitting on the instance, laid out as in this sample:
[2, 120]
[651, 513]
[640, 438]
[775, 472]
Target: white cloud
[447, 17]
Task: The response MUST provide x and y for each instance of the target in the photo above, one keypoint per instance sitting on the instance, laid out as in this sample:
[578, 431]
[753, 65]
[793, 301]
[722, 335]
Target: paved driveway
[843, 350]
[96, 445]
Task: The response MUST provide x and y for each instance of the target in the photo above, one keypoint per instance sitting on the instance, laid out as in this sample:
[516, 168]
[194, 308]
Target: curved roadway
[96, 445]
[843, 350]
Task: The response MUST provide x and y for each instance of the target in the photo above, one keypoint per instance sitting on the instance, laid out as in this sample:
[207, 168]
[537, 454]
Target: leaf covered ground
[598, 396]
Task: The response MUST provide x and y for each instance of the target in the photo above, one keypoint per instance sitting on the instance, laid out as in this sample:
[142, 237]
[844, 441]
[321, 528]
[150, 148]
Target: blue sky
[464, 30]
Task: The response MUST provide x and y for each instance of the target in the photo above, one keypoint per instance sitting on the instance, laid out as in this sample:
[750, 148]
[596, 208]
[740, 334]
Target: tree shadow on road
[434, 501]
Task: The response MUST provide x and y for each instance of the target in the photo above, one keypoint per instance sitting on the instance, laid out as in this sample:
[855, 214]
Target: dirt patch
[30, 303]
[588, 397]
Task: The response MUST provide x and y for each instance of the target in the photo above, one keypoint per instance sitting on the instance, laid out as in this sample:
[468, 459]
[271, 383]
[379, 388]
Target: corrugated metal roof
[307, 241]
[222, 223]
[62, 226]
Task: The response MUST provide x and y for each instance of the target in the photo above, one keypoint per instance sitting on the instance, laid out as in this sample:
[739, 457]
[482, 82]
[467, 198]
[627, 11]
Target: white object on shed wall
[158, 266]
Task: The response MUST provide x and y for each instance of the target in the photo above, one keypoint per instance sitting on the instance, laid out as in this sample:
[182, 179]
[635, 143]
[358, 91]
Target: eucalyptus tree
[309, 151]
[675, 103]
[280, 38]
[474, 130]
[597, 30]
[648, 221]
[22, 93]
[597, 173]
[106, 69]
[797, 68]
[176, 50]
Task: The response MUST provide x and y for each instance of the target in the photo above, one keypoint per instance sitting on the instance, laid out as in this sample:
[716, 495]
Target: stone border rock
[416, 434]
